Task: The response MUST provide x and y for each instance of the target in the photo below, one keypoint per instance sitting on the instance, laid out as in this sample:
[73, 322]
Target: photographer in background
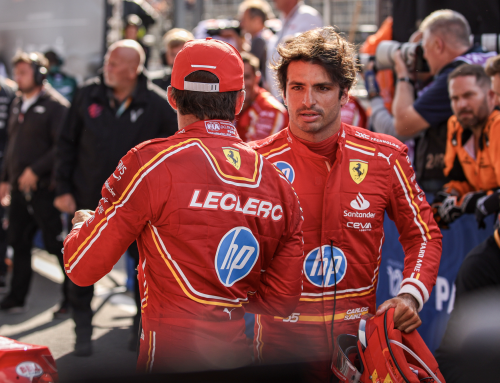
[446, 45]
[381, 119]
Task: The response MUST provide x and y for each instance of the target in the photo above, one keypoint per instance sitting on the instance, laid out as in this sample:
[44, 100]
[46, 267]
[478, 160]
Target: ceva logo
[360, 203]
[236, 255]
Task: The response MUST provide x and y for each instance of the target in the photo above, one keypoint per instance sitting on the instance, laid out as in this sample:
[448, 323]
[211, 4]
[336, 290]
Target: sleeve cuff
[415, 288]
[413, 291]
[77, 225]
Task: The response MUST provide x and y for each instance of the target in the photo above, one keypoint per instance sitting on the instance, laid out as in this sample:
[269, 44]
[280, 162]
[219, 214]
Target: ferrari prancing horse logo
[233, 157]
[358, 170]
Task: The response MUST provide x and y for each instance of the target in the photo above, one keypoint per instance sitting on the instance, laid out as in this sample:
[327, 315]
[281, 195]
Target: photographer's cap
[214, 56]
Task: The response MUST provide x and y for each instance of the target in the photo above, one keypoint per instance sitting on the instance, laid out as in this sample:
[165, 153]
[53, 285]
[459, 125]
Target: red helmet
[382, 354]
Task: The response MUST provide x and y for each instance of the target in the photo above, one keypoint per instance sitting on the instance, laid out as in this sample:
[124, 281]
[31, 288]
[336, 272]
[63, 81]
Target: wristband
[406, 79]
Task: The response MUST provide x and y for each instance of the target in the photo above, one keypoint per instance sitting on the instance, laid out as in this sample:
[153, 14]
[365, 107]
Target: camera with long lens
[489, 41]
[412, 53]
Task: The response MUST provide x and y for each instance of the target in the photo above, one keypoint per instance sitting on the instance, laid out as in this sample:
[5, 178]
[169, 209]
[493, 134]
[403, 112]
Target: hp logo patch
[236, 255]
[318, 266]
[286, 169]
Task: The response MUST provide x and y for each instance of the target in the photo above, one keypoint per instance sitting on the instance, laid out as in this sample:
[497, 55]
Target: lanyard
[281, 33]
[123, 107]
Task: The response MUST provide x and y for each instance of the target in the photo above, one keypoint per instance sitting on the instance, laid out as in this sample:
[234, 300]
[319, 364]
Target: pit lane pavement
[111, 357]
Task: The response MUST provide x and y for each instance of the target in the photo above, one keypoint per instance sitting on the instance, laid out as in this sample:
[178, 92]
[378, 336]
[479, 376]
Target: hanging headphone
[39, 71]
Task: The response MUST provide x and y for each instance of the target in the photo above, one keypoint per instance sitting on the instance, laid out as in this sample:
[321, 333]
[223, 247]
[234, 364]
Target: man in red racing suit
[346, 179]
[218, 230]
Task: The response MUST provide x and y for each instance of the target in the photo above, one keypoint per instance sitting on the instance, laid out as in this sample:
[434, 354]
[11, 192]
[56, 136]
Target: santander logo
[360, 203]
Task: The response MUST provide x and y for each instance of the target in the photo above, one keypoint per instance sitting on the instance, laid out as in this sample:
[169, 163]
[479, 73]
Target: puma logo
[226, 310]
[384, 156]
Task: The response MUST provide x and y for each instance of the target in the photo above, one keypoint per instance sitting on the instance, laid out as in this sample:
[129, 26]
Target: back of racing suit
[344, 205]
[219, 232]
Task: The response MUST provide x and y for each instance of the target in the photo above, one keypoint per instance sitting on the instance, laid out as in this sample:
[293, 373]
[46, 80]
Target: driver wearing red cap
[218, 227]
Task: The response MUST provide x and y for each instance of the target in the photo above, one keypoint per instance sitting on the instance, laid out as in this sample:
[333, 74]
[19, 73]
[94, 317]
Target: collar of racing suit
[326, 148]
[211, 128]
[302, 149]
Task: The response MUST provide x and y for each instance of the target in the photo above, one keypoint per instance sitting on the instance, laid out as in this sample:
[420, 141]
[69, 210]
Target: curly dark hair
[321, 46]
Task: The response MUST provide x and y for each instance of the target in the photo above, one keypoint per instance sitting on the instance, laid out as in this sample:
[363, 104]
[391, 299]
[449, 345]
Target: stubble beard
[28, 90]
[478, 120]
[325, 122]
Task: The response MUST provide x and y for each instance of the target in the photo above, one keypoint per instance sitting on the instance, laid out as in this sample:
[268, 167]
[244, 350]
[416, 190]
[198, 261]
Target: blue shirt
[434, 103]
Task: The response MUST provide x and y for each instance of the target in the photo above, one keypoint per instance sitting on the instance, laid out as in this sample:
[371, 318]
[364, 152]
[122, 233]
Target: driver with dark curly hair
[346, 179]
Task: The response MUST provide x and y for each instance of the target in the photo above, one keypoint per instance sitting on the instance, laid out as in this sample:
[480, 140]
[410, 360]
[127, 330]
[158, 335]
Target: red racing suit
[265, 117]
[219, 232]
[344, 208]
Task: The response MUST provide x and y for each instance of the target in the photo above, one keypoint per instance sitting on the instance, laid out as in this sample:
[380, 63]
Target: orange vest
[483, 172]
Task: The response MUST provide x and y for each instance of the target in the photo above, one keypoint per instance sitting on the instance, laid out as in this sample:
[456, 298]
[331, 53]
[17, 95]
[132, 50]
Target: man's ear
[491, 97]
[439, 44]
[240, 100]
[171, 99]
[344, 98]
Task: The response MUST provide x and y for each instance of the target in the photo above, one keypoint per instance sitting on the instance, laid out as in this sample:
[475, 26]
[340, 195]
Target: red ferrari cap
[214, 56]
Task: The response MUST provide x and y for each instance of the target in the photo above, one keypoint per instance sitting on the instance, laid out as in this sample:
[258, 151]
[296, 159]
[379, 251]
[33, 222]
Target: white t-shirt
[301, 19]
[27, 102]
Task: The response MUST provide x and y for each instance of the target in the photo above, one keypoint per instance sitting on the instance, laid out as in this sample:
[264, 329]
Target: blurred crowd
[438, 93]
